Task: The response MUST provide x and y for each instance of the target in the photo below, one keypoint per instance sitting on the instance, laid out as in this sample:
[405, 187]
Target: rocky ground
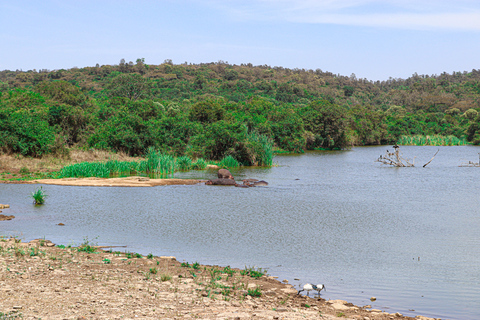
[39, 280]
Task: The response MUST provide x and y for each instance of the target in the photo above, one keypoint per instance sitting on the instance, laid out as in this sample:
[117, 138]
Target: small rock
[4, 217]
[60, 224]
[398, 314]
[168, 258]
[373, 299]
[17, 307]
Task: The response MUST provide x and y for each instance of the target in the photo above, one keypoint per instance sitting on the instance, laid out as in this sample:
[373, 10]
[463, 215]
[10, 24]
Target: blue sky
[373, 39]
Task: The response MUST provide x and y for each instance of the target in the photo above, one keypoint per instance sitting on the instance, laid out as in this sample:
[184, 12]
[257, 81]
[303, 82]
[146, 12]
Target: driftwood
[395, 158]
[471, 163]
[426, 164]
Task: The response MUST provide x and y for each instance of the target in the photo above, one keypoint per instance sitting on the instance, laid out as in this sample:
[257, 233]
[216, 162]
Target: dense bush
[216, 110]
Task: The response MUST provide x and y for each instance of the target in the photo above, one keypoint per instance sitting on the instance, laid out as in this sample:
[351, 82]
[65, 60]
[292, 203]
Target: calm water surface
[408, 236]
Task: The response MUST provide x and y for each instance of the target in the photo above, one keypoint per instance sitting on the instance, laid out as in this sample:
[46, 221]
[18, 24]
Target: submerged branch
[431, 159]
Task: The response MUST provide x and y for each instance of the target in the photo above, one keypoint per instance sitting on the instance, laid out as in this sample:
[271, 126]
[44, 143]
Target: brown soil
[13, 166]
[39, 280]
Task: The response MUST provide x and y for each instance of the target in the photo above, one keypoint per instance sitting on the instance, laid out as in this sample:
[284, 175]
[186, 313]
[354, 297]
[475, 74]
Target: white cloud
[452, 21]
[403, 14]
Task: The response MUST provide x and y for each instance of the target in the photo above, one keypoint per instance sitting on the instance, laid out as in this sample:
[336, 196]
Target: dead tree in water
[471, 163]
[395, 159]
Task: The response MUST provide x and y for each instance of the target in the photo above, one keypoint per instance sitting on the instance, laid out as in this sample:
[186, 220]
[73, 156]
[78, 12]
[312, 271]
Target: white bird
[309, 287]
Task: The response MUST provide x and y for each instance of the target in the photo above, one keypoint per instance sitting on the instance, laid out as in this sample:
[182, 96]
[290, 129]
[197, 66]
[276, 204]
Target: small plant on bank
[153, 270]
[252, 272]
[150, 256]
[254, 292]
[86, 246]
[165, 277]
[24, 171]
[10, 316]
[35, 252]
[39, 196]
[106, 261]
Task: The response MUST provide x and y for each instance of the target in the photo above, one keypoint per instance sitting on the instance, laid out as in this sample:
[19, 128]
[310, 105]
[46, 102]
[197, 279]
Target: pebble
[373, 299]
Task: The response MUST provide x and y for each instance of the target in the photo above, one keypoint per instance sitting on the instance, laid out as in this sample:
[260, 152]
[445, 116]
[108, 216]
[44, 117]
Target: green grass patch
[254, 292]
[39, 196]
[229, 162]
[433, 140]
[253, 272]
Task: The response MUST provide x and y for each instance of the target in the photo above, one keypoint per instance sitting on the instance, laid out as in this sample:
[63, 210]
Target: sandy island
[134, 181]
[42, 281]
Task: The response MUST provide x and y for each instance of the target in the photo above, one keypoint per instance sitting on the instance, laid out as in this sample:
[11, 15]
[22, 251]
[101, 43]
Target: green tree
[328, 122]
[132, 86]
[207, 111]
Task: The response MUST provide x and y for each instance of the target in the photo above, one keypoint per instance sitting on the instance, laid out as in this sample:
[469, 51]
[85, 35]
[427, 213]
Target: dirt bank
[40, 280]
[134, 181]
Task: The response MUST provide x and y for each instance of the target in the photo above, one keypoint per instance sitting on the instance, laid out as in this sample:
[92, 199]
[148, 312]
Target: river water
[408, 236]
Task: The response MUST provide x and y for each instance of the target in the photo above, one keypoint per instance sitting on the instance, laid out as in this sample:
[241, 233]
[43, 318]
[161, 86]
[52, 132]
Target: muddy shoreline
[41, 280]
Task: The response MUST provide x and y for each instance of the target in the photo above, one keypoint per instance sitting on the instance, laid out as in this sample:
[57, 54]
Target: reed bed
[85, 170]
[229, 162]
[156, 164]
[200, 164]
[260, 149]
[183, 163]
[433, 140]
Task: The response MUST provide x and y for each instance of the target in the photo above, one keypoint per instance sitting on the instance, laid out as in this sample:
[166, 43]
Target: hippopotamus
[242, 185]
[249, 181]
[221, 182]
[225, 174]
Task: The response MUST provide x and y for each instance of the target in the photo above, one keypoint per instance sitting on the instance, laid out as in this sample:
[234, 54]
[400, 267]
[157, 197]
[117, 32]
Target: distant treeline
[214, 110]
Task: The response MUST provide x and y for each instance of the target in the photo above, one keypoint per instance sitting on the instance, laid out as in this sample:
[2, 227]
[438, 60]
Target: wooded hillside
[216, 109]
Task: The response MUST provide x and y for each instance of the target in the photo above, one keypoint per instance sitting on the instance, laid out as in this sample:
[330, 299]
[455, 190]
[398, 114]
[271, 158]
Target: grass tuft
[39, 196]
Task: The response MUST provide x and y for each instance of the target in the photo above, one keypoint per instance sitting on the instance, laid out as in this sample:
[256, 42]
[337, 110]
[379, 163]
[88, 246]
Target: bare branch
[431, 159]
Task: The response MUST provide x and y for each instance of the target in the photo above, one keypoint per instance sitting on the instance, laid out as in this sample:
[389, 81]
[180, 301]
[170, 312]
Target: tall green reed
[433, 140]
[183, 163]
[229, 162]
[260, 149]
